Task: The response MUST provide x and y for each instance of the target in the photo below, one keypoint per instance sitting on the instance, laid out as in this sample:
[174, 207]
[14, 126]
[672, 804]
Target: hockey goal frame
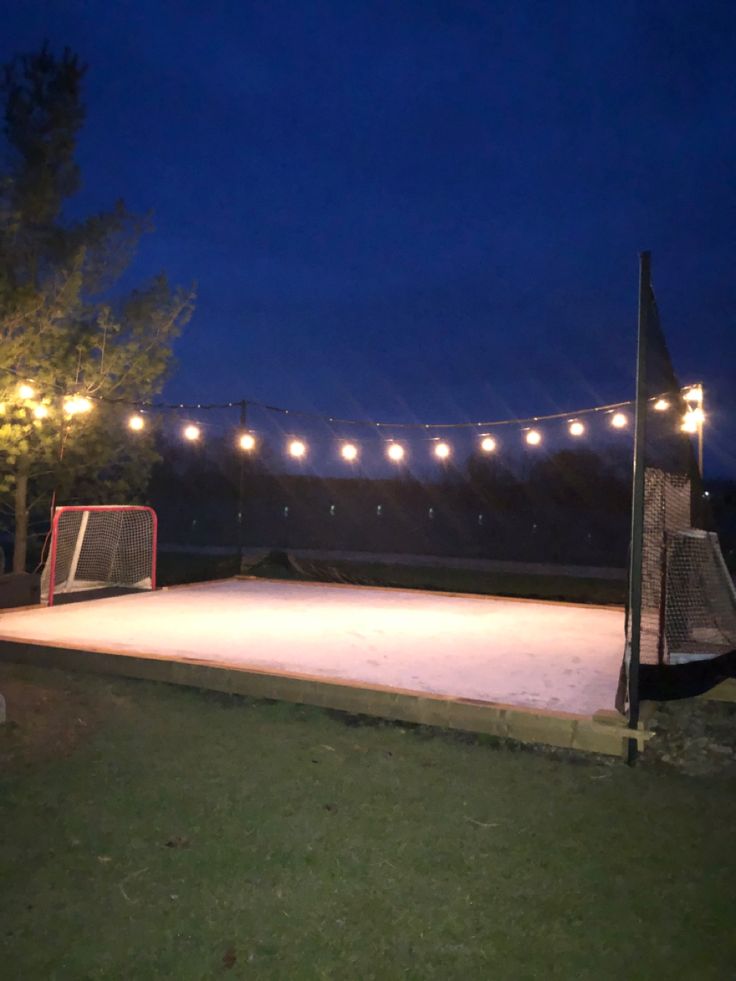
[63, 509]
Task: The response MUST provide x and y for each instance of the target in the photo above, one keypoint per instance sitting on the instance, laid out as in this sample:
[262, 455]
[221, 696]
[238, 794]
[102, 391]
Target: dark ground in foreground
[160, 832]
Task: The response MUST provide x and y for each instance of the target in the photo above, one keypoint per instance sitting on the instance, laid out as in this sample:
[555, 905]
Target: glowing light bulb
[395, 452]
[488, 444]
[26, 391]
[619, 420]
[533, 437]
[76, 405]
[191, 433]
[349, 452]
[698, 415]
[442, 451]
[689, 423]
[247, 442]
[694, 393]
[40, 411]
[297, 449]
[576, 428]
[661, 405]
[136, 423]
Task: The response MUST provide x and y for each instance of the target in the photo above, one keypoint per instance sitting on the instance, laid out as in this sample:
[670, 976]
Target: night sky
[421, 210]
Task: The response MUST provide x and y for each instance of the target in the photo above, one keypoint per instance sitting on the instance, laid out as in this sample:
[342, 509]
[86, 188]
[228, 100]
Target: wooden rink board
[603, 732]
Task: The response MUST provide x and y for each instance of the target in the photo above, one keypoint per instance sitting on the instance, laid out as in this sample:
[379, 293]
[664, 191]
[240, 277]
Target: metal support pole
[637, 502]
[700, 433]
[241, 486]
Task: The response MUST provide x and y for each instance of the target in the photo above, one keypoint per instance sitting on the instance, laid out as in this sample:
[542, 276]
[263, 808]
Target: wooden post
[20, 540]
[637, 500]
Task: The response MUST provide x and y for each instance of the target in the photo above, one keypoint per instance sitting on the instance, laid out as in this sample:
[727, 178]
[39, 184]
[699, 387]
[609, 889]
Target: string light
[247, 442]
[442, 451]
[26, 391]
[297, 449]
[191, 433]
[136, 422]
[41, 411]
[533, 437]
[488, 444]
[576, 428]
[349, 452]
[395, 452]
[619, 420]
[77, 405]
[661, 405]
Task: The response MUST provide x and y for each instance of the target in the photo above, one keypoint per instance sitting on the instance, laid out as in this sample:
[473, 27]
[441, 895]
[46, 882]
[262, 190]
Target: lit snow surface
[554, 656]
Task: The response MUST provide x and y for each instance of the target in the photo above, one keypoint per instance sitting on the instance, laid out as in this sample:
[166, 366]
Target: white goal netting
[700, 598]
[688, 608]
[100, 547]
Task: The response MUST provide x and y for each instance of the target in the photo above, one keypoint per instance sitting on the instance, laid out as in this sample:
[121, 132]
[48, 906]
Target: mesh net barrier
[97, 548]
[687, 595]
[700, 599]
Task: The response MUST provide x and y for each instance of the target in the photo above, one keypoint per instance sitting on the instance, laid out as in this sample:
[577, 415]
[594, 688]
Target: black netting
[688, 605]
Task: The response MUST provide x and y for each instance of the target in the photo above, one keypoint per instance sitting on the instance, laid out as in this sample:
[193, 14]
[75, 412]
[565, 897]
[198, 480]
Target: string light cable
[81, 403]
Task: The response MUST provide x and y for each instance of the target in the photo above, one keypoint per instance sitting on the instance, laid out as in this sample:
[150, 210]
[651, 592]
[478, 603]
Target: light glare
[442, 451]
[247, 442]
[694, 393]
[577, 428]
[76, 405]
[191, 433]
[395, 452]
[661, 405]
[488, 444]
[349, 452]
[619, 420]
[297, 449]
[533, 437]
[26, 391]
[136, 422]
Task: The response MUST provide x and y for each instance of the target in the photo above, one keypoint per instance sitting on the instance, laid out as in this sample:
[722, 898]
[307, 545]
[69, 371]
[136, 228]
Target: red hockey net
[100, 547]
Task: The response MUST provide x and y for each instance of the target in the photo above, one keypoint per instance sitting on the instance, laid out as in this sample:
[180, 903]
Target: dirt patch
[695, 736]
[46, 719]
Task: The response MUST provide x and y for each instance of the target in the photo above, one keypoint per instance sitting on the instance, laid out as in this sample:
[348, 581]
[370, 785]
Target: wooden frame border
[604, 733]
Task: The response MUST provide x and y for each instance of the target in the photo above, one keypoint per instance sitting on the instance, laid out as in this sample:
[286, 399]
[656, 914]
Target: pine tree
[70, 345]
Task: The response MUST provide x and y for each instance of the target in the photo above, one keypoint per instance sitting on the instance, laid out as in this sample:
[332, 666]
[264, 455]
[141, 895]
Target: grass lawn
[160, 832]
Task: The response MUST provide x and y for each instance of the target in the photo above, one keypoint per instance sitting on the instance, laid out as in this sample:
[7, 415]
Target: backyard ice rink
[557, 657]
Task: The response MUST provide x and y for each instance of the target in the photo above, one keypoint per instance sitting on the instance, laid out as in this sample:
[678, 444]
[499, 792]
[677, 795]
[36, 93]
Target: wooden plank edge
[517, 723]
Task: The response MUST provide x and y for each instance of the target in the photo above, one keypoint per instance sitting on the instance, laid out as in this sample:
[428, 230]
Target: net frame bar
[88, 508]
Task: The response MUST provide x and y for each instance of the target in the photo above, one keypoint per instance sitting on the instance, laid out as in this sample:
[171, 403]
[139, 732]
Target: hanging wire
[377, 425]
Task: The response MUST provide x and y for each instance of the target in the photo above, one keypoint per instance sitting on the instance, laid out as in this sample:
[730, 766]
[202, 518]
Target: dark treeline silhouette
[569, 507]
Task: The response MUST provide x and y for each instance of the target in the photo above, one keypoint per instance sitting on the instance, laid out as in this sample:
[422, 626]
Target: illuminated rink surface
[552, 656]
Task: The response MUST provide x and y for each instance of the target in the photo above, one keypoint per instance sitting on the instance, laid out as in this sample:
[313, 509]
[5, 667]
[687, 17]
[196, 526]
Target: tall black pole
[241, 486]
[637, 500]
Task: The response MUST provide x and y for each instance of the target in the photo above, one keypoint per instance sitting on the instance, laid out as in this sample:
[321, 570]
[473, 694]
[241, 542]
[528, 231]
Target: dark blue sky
[421, 210]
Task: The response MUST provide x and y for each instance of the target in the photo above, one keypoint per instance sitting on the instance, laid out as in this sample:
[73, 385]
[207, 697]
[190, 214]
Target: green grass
[175, 568]
[301, 847]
